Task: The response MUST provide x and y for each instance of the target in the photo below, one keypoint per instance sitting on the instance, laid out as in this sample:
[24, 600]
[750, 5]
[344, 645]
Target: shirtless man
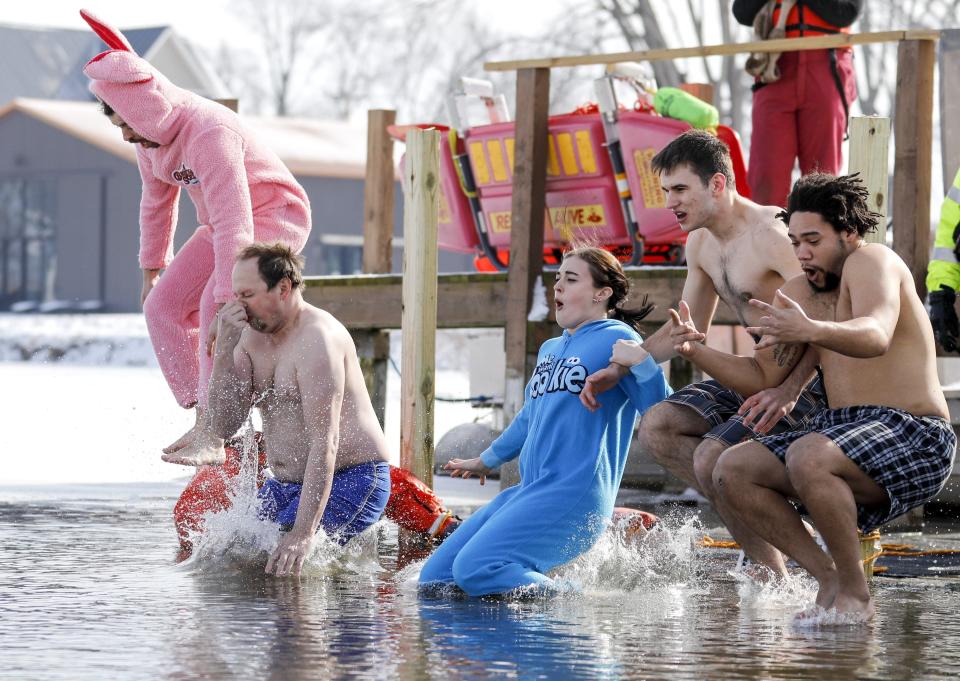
[324, 445]
[885, 445]
[737, 250]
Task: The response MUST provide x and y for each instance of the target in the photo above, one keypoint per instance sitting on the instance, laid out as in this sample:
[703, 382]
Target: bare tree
[875, 86]
[239, 70]
[286, 29]
[640, 27]
[336, 58]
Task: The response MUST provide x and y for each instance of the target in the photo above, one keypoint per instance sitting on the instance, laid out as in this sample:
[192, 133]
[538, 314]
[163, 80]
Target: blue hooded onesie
[571, 463]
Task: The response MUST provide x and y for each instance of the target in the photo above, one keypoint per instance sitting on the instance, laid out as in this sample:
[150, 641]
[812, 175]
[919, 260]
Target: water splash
[238, 540]
[787, 594]
[668, 554]
[816, 617]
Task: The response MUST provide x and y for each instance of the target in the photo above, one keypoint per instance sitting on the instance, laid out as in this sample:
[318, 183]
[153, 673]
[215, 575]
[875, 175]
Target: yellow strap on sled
[452, 141]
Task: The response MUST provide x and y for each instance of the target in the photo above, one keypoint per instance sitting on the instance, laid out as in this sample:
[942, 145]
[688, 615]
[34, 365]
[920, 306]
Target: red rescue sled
[600, 186]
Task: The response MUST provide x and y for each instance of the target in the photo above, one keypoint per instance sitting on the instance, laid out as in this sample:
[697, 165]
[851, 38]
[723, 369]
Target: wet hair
[841, 201]
[606, 270]
[705, 154]
[106, 109]
[275, 261]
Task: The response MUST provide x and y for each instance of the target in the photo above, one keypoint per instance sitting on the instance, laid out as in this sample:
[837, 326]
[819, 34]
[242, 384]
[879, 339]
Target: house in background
[46, 63]
[70, 188]
[70, 194]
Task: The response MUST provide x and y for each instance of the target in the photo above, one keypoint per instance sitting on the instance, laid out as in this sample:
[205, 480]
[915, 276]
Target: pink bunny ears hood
[141, 95]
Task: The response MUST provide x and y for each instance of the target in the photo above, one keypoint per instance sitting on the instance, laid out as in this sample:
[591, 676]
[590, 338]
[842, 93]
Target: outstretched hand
[599, 382]
[626, 353]
[683, 332]
[290, 554]
[783, 322]
[464, 468]
[764, 410]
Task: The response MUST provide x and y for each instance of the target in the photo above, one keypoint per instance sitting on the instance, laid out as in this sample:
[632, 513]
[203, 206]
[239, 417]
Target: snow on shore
[84, 400]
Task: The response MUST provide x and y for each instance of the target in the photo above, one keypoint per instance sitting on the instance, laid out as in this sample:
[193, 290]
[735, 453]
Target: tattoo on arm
[786, 355]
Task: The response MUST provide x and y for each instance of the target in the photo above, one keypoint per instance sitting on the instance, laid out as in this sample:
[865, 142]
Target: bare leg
[187, 437]
[204, 447]
[704, 462]
[754, 485]
[830, 485]
[671, 433]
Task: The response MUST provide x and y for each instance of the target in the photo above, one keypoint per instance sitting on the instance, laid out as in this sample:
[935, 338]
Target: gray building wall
[96, 245]
[96, 207]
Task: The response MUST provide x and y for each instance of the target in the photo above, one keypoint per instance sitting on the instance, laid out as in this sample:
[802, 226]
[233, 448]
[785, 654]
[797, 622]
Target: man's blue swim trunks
[357, 499]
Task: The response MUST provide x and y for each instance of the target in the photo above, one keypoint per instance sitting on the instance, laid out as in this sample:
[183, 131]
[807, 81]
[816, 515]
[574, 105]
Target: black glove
[943, 316]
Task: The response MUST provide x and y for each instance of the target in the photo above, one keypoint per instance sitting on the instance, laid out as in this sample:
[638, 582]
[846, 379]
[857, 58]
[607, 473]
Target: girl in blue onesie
[571, 460]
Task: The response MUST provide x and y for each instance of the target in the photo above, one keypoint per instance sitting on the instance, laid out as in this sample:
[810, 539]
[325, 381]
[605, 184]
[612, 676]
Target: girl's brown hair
[606, 270]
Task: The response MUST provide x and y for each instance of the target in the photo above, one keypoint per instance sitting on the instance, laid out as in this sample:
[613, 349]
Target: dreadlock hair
[606, 270]
[275, 261]
[706, 155]
[841, 201]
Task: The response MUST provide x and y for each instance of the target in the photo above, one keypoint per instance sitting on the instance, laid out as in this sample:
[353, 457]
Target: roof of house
[47, 62]
[308, 147]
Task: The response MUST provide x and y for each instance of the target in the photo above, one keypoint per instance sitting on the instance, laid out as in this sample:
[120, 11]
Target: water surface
[89, 590]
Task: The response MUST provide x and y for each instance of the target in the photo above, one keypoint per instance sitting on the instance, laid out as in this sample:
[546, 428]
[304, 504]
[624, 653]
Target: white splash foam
[668, 554]
[237, 540]
[785, 594]
[816, 617]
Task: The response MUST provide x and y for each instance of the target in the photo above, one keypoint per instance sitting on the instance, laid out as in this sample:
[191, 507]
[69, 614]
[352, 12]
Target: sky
[197, 20]
[210, 21]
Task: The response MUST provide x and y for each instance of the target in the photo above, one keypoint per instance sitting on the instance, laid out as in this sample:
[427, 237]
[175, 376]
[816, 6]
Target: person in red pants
[802, 116]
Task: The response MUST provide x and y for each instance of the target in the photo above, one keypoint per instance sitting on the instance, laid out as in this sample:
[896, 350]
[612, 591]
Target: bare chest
[738, 277]
[825, 307]
[275, 385]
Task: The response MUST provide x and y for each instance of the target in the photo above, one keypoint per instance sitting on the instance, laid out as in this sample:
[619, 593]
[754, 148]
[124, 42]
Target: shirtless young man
[885, 445]
[324, 445]
[737, 250]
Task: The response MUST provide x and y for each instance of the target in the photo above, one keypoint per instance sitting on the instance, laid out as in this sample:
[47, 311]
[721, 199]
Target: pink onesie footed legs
[178, 312]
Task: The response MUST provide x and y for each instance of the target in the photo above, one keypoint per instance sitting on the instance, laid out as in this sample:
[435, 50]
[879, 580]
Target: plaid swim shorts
[718, 405]
[909, 456]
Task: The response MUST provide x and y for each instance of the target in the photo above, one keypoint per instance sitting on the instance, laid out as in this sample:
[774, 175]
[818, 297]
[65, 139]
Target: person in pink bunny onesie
[242, 192]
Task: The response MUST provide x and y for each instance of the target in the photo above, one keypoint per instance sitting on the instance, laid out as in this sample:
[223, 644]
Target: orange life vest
[804, 22]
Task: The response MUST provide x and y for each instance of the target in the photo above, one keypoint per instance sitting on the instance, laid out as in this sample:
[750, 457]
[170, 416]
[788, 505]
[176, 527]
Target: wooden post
[949, 104]
[526, 237]
[373, 351]
[378, 194]
[869, 144]
[913, 131]
[373, 347]
[231, 103]
[421, 187]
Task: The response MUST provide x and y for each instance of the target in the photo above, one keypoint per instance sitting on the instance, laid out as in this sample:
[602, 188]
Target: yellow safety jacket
[944, 267]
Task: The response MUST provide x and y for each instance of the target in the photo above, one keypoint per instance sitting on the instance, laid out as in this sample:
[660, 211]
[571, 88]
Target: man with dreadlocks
[884, 445]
